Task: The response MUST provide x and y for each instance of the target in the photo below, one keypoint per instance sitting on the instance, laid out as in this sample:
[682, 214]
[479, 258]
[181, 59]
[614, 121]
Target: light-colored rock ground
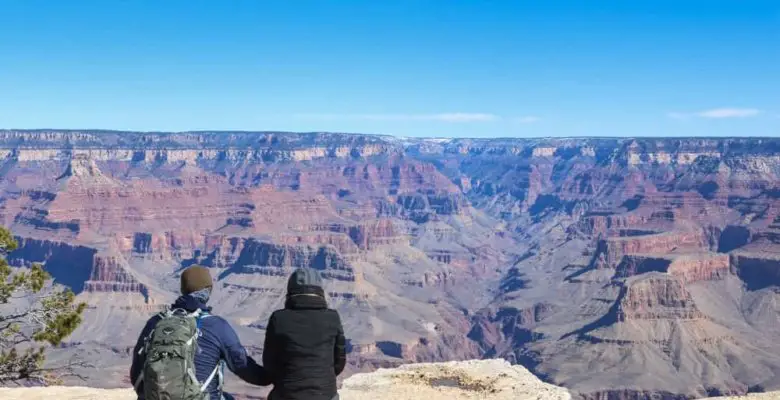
[489, 379]
[484, 380]
[65, 393]
[752, 396]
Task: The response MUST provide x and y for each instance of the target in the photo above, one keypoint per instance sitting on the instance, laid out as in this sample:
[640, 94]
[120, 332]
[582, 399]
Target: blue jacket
[218, 342]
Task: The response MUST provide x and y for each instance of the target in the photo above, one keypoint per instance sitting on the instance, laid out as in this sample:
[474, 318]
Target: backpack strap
[138, 381]
[199, 316]
[221, 374]
[216, 372]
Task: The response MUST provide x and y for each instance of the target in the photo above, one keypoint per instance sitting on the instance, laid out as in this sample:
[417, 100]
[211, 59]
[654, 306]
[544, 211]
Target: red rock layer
[109, 275]
[656, 297]
[661, 244]
[700, 267]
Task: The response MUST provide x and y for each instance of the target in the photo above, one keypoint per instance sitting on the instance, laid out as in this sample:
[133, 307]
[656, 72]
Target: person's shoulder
[215, 323]
[153, 320]
[280, 316]
[213, 320]
[219, 327]
[333, 315]
[280, 313]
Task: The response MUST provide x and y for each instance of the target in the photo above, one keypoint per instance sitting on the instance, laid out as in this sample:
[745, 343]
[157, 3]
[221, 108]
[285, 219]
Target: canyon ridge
[618, 268]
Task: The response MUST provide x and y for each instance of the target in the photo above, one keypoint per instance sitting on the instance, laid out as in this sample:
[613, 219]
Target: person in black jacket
[304, 348]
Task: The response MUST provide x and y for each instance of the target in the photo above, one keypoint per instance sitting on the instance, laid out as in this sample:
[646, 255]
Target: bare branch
[4, 318]
[68, 370]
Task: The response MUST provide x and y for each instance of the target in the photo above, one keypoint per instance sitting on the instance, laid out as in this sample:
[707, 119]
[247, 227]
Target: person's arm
[238, 361]
[139, 357]
[340, 348]
[270, 348]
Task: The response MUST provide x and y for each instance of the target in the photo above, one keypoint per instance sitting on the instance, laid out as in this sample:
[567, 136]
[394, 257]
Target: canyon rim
[619, 268]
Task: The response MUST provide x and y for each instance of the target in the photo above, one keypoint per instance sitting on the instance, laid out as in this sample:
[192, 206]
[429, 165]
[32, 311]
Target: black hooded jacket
[304, 347]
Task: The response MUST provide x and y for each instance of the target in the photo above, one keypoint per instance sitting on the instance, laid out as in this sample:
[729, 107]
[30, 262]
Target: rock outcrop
[492, 379]
[485, 380]
[488, 380]
[655, 297]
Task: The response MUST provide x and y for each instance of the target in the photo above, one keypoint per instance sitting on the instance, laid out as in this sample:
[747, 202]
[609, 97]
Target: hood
[305, 281]
[304, 290]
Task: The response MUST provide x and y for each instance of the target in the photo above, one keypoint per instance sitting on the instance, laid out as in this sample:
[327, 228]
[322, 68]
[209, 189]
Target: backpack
[169, 369]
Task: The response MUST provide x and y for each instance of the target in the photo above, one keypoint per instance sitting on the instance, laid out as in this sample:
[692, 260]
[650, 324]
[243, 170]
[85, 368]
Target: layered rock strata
[591, 261]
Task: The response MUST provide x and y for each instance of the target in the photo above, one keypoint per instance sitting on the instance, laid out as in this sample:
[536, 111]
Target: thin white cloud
[729, 113]
[718, 113]
[529, 119]
[442, 117]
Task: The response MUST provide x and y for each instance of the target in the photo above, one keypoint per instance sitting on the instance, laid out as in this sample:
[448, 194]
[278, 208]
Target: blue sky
[411, 68]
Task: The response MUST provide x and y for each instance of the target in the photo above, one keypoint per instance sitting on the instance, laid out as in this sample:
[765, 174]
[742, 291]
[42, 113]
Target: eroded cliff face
[589, 261]
[656, 297]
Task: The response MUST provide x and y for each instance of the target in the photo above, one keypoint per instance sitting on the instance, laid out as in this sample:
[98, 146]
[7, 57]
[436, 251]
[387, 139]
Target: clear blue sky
[413, 68]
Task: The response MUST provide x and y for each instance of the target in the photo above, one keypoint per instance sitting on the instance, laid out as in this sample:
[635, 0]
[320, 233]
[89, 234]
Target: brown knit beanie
[195, 278]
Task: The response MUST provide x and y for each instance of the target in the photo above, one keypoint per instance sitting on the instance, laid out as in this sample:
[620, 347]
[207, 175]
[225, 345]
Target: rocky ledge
[483, 379]
[487, 379]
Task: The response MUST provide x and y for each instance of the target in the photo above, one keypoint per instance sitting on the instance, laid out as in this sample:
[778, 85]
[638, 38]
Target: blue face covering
[202, 295]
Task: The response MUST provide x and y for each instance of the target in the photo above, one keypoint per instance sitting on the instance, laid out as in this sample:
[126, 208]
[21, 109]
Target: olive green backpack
[169, 369]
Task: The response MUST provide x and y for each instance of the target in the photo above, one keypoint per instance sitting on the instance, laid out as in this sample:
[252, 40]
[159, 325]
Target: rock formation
[620, 268]
[485, 380]
[489, 380]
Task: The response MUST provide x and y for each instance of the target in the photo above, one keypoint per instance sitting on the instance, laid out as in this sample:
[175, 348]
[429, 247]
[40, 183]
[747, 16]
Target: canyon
[618, 268]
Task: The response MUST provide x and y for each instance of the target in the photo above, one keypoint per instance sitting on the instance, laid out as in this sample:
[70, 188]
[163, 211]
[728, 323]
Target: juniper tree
[33, 315]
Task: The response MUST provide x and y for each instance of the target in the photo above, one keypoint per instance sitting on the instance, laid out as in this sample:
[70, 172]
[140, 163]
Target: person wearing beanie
[305, 348]
[218, 343]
